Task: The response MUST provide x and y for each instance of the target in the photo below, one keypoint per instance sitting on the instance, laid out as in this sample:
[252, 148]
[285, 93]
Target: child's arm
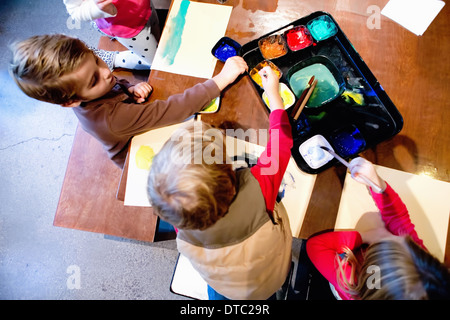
[271, 84]
[324, 249]
[129, 119]
[273, 162]
[393, 211]
[233, 67]
[87, 10]
[361, 167]
[395, 215]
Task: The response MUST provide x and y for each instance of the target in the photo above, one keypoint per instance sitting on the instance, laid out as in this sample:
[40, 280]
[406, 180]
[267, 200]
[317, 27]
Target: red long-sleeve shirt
[272, 163]
[322, 249]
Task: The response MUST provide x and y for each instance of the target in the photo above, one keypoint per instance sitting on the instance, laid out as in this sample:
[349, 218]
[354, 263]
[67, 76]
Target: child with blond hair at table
[134, 23]
[384, 257]
[229, 224]
[63, 70]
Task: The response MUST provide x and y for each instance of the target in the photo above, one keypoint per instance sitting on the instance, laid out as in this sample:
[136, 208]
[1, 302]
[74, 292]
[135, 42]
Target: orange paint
[273, 46]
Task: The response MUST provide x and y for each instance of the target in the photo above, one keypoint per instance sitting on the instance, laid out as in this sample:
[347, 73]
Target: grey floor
[37, 259]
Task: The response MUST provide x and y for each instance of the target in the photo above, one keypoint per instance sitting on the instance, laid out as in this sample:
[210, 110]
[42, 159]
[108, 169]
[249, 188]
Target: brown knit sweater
[115, 118]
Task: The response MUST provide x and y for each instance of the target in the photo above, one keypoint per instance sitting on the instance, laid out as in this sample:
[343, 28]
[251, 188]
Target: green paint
[322, 28]
[326, 89]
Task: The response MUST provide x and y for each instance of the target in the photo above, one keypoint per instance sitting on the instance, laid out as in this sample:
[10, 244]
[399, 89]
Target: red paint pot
[298, 38]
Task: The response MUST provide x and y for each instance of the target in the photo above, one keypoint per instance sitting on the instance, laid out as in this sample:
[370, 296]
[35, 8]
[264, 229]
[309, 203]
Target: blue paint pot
[348, 141]
[225, 48]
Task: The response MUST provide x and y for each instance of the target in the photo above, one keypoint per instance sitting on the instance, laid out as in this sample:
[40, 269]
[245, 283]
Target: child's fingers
[360, 167]
[239, 63]
[142, 91]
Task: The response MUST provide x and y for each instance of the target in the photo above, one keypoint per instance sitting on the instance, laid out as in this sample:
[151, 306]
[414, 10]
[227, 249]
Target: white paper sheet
[192, 29]
[187, 281]
[414, 15]
[136, 186]
[425, 198]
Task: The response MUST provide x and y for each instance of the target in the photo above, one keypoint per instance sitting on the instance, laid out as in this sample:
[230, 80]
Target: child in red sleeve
[229, 225]
[383, 258]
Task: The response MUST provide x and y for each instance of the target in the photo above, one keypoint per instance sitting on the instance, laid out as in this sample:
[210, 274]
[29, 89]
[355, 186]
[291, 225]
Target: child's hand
[106, 6]
[233, 67]
[140, 91]
[360, 166]
[271, 82]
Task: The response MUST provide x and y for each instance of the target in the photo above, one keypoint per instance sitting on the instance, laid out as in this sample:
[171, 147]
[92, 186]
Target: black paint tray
[363, 103]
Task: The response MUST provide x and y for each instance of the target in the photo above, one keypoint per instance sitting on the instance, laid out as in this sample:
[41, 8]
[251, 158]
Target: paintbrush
[345, 163]
[305, 100]
[302, 96]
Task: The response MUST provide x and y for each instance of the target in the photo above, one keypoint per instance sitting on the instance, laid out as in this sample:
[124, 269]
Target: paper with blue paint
[192, 29]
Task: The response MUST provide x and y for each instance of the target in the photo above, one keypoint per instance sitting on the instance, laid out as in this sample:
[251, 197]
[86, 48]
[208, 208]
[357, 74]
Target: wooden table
[414, 71]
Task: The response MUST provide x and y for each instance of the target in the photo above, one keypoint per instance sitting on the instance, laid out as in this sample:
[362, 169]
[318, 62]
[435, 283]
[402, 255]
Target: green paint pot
[330, 83]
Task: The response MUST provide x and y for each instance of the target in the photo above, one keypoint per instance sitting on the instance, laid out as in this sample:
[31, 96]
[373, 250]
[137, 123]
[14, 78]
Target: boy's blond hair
[40, 61]
[186, 192]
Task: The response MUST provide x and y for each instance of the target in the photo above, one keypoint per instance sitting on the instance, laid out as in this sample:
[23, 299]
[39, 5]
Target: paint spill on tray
[348, 141]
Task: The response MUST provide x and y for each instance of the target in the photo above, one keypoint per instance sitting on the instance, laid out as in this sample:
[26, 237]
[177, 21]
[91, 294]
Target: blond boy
[229, 224]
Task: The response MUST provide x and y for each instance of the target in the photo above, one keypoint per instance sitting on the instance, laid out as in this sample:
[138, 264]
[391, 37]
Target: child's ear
[71, 104]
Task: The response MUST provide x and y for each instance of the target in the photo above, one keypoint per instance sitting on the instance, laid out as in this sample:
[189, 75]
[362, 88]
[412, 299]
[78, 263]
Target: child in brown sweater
[63, 70]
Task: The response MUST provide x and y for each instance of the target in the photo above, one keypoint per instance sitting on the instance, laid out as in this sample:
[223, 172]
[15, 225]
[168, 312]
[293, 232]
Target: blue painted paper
[176, 33]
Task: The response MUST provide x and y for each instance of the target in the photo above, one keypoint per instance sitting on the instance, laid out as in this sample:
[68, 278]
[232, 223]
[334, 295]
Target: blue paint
[224, 52]
[302, 126]
[348, 141]
[322, 28]
[177, 23]
[225, 48]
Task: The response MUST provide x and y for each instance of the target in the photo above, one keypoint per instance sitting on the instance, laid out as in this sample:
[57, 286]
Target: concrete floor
[36, 139]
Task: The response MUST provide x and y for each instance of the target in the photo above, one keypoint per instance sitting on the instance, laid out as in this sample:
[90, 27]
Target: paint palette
[348, 109]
